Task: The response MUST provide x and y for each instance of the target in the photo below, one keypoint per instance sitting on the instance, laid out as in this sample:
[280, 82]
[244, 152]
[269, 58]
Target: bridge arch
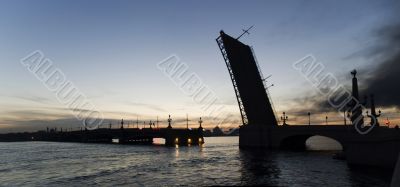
[297, 142]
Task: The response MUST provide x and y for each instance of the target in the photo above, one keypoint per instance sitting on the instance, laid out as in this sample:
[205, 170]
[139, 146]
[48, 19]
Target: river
[218, 162]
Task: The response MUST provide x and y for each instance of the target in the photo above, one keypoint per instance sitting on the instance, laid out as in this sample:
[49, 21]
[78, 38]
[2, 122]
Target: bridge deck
[127, 136]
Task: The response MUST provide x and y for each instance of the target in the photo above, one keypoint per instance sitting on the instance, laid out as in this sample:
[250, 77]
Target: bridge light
[176, 140]
[189, 141]
[200, 140]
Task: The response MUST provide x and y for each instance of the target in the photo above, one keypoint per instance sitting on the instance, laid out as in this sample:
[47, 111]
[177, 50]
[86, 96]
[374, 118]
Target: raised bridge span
[379, 147]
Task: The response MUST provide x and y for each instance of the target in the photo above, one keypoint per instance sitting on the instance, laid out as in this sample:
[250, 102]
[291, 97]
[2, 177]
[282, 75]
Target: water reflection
[258, 168]
[218, 162]
[362, 176]
[316, 168]
[176, 150]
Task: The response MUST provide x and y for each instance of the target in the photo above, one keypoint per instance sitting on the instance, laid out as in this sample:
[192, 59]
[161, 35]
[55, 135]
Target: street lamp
[284, 118]
[309, 118]
[326, 120]
[169, 122]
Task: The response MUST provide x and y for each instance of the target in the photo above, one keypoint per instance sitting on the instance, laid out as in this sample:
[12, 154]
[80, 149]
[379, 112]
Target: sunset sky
[110, 51]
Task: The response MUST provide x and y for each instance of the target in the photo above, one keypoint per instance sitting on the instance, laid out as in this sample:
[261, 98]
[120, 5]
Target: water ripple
[219, 162]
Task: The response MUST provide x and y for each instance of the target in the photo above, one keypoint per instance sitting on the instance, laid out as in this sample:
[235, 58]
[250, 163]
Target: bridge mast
[356, 106]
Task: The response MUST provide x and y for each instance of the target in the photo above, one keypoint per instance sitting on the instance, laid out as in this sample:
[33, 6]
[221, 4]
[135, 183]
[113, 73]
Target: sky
[110, 51]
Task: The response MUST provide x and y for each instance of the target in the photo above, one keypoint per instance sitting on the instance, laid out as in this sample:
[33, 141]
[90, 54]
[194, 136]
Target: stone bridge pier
[380, 147]
[289, 137]
[183, 137]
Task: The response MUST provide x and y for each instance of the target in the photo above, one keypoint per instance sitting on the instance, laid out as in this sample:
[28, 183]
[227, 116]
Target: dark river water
[218, 162]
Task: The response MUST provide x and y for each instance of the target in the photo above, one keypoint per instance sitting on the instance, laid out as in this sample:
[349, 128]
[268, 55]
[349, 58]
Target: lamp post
[157, 123]
[169, 122]
[187, 121]
[348, 116]
[374, 116]
[309, 118]
[200, 122]
[387, 122]
[284, 118]
[326, 120]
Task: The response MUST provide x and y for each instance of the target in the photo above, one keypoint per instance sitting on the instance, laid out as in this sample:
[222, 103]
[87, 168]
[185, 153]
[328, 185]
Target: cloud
[383, 80]
[33, 114]
[379, 78]
[31, 98]
[34, 125]
[151, 106]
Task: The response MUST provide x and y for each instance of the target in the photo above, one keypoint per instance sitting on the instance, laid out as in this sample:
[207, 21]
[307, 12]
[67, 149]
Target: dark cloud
[314, 104]
[380, 74]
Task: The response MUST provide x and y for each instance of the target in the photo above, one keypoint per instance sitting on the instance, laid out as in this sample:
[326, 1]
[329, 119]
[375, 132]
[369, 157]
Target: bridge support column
[171, 138]
[254, 136]
[186, 137]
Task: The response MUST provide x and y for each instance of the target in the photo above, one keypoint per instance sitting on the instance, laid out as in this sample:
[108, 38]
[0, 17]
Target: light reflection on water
[218, 162]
